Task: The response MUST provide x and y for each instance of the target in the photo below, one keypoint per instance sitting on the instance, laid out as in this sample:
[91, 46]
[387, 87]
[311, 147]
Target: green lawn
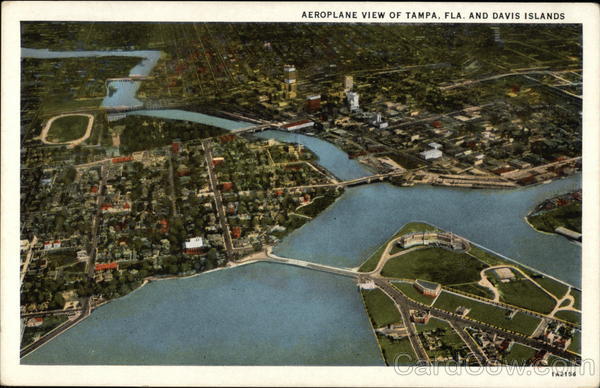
[49, 323]
[316, 206]
[569, 316]
[435, 264]
[554, 287]
[380, 308]
[523, 293]
[486, 257]
[397, 349]
[371, 263]
[67, 128]
[577, 295]
[568, 216]
[519, 354]
[475, 289]
[575, 345]
[77, 267]
[409, 290]
[487, 313]
[62, 257]
[564, 303]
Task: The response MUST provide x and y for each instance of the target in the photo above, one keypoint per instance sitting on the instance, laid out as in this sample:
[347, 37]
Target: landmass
[561, 215]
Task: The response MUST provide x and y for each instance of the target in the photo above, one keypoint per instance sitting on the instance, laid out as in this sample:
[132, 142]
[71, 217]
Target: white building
[353, 100]
[435, 146]
[348, 82]
[431, 154]
[194, 243]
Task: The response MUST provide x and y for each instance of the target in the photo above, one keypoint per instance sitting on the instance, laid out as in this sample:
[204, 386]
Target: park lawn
[564, 303]
[568, 216]
[554, 287]
[575, 345]
[523, 293]
[569, 316]
[487, 313]
[397, 352]
[486, 257]
[316, 206]
[409, 290]
[519, 355]
[78, 267]
[62, 257]
[67, 128]
[380, 307]
[51, 105]
[474, 289]
[577, 295]
[371, 263]
[435, 264]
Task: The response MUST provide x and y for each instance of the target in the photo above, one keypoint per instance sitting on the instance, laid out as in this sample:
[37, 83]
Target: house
[194, 246]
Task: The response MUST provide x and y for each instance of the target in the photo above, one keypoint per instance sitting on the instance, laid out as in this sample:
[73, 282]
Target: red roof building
[107, 266]
[227, 186]
[236, 232]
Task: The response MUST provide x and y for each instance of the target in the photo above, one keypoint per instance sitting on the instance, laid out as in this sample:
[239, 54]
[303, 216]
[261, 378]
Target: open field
[554, 287]
[488, 313]
[524, 293]
[409, 290]
[475, 289]
[519, 354]
[575, 345]
[401, 349]
[380, 308]
[435, 264]
[577, 295]
[62, 257]
[568, 216]
[570, 316]
[67, 128]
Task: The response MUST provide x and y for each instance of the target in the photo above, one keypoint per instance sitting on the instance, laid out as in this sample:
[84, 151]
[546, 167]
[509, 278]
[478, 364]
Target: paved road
[456, 319]
[96, 221]
[86, 310]
[218, 198]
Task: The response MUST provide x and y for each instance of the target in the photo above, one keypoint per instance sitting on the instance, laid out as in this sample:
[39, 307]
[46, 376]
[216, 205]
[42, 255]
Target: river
[270, 314]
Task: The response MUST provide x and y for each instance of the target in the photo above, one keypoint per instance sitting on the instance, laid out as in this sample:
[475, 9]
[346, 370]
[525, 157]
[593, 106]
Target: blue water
[176, 114]
[259, 314]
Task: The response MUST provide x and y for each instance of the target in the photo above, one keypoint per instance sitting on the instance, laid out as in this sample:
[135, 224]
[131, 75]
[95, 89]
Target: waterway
[258, 314]
[270, 314]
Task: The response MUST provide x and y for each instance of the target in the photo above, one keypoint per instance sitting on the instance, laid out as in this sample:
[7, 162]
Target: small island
[560, 214]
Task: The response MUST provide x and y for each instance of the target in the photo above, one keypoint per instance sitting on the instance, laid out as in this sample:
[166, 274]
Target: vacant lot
[67, 128]
[488, 313]
[524, 293]
[435, 264]
[519, 354]
[397, 352]
[62, 257]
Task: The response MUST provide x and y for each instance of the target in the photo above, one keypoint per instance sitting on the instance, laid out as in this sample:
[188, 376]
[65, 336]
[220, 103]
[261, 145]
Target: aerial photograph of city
[300, 194]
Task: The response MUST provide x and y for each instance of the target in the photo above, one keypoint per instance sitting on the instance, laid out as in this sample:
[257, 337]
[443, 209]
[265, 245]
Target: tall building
[353, 100]
[348, 83]
[289, 81]
[313, 103]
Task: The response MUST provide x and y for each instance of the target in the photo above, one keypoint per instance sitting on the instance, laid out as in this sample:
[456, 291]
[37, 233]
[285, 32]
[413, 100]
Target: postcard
[311, 194]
